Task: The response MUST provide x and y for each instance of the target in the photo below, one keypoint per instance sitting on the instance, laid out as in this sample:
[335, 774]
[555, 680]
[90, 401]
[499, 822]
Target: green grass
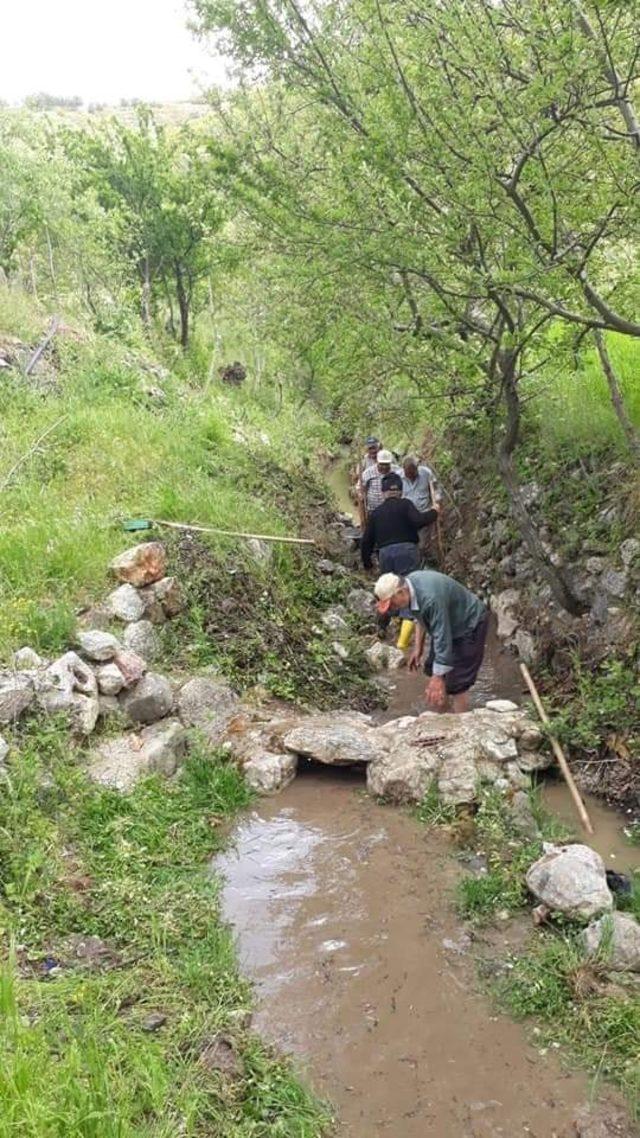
[75, 1061]
[597, 1023]
[572, 407]
[116, 454]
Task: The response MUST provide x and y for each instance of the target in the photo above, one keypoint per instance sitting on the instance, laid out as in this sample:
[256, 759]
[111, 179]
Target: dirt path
[362, 972]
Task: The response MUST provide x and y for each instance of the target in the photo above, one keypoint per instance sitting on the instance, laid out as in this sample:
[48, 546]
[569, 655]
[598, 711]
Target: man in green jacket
[457, 623]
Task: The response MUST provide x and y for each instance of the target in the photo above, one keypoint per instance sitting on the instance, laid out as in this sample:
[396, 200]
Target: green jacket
[447, 610]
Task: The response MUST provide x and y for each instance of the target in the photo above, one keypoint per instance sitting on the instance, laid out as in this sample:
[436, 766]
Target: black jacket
[395, 521]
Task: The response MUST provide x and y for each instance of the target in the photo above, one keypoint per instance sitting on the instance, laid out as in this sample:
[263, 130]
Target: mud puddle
[609, 838]
[365, 976]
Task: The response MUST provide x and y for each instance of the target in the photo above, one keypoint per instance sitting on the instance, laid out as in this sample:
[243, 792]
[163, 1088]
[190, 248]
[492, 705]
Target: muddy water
[498, 673]
[363, 974]
[362, 971]
[609, 837]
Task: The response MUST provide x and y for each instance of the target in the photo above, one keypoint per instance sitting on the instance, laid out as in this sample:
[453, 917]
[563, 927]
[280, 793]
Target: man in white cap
[371, 481]
[457, 623]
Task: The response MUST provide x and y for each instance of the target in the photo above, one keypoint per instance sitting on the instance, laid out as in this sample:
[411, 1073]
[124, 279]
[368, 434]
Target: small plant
[433, 811]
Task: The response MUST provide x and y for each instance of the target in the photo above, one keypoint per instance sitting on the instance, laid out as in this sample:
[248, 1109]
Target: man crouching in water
[457, 623]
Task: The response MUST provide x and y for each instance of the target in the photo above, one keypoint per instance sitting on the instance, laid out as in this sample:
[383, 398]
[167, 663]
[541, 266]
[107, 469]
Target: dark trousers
[401, 558]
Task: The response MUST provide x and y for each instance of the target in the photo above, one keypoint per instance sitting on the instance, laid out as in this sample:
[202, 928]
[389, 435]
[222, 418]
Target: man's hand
[436, 693]
[414, 659]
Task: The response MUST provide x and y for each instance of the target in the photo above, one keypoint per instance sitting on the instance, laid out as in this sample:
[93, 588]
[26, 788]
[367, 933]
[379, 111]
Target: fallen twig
[27, 454]
[53, 328]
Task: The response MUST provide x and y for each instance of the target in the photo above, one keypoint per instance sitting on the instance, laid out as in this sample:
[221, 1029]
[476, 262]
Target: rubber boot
[406, 632]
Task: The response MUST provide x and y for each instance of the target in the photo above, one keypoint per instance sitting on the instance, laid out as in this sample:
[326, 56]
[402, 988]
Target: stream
[362, 972]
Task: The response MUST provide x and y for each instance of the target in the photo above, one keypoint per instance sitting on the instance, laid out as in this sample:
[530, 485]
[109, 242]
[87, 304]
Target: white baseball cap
[385, 456]
[385, 588]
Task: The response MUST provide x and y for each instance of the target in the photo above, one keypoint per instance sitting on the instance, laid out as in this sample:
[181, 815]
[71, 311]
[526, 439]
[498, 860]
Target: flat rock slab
[334, 740]
[571, 880]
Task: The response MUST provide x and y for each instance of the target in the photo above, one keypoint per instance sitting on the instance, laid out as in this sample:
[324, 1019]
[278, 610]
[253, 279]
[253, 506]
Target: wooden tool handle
[558, 752]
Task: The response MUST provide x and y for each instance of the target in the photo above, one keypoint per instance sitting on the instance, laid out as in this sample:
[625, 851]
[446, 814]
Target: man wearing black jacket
[393, 529]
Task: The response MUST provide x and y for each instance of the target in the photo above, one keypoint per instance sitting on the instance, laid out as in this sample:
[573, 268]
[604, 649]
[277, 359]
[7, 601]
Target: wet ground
[363, 973]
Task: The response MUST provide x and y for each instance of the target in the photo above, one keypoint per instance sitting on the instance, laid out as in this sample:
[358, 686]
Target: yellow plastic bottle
[406, 632]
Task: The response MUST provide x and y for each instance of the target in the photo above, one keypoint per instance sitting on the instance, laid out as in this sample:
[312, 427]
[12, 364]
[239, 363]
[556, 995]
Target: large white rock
[4, 750]
[571, 880]
[69, 687]
[269, 772]
[616, 939]
[126, 604]
[16, 695]
[503, 605]
[97, 645]
[385, 656]
[402, 774]
[458, 752]
[208, 705]
[334, 739]
[142, 564]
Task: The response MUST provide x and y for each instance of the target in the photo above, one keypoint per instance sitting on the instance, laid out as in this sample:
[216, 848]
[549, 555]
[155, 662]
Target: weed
[433, 811]
[132, 870]
[597, 1022]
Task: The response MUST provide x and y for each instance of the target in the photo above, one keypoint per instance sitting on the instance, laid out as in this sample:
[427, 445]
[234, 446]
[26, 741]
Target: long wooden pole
[558, 752]
[234, 533]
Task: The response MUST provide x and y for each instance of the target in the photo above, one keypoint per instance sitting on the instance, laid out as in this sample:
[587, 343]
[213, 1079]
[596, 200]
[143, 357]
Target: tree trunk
[183, 305]
[560, 589]
[617, 398]
[145, 299]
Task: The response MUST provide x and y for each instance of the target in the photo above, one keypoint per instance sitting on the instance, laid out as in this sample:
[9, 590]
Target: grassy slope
[118, 454]
[75, 1061]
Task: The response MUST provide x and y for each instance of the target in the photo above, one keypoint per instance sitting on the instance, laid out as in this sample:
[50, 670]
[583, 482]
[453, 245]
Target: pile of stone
[106, 674]
[571, 880]
[497, 744]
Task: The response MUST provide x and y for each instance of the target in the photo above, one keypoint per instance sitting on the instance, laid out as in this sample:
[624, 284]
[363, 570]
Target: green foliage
[600, 1026]
[605, 702]
[508, 857]
[432, 811]
[132, 870]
